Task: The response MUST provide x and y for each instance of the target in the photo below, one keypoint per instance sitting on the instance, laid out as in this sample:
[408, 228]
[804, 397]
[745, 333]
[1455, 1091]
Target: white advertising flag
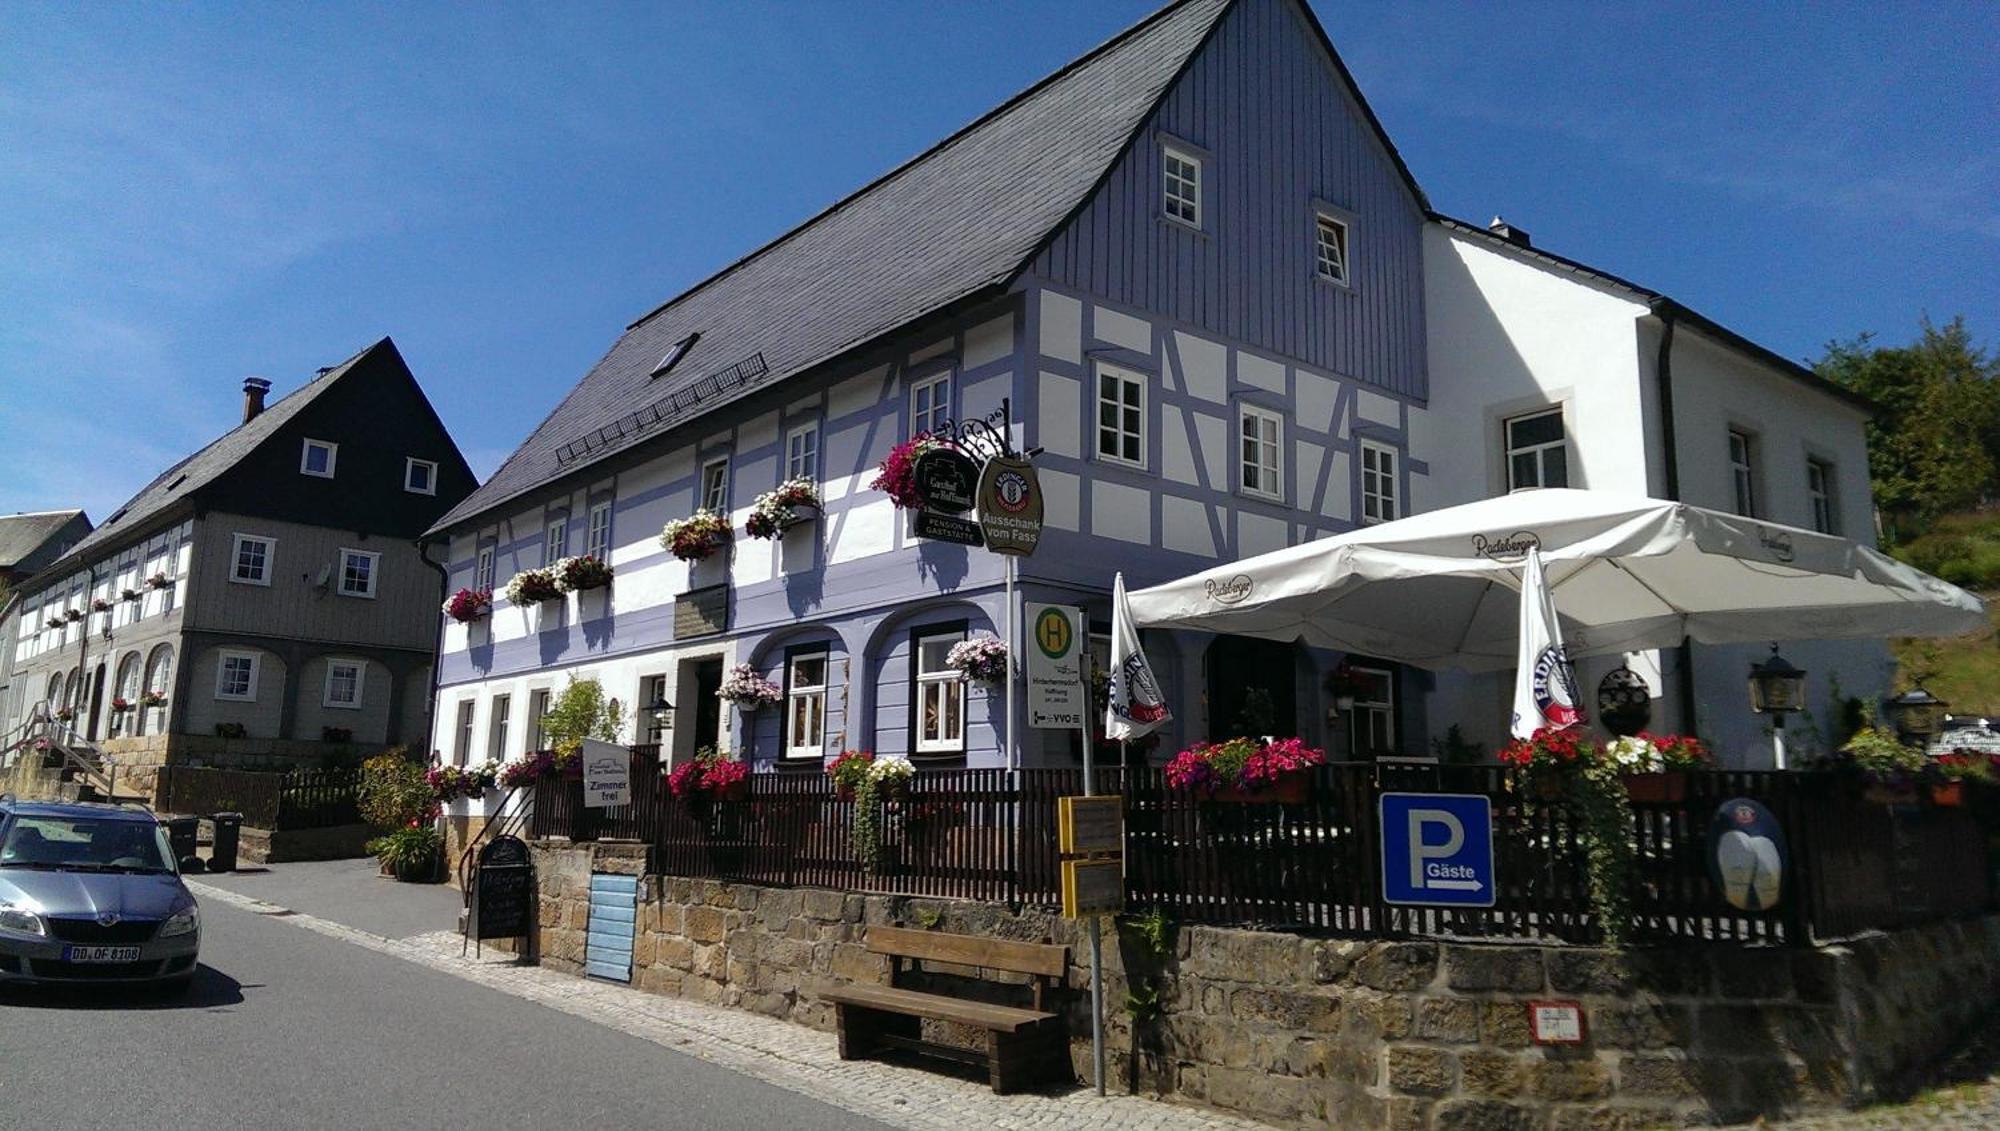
[1544, 682]
[1137, 708]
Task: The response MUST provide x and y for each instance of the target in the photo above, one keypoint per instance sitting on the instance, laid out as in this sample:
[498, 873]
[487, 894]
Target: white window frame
[461, 738]
[1382, 499]
[499, 720]
[236, 559]
[555, 541]
[333, 664]
[1371, 711]
[374, 585]
[305, 457]
[1271, 472]
[935, 390]
[802, 452]
[410, 465]
[482, 569]
[597, 532]
[1338, 269]
[715, 485]
[249, 692]
[1822, 497]
[1180, 192]
[1538, 451]
[812, 698]
[538, 709]
[1743, 471]
[949, 688]
[1129, 381]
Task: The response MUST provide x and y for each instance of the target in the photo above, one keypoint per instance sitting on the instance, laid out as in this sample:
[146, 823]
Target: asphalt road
[286, 1028]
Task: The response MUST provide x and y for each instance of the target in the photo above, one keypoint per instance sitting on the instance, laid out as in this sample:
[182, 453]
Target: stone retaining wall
[1358, 1033]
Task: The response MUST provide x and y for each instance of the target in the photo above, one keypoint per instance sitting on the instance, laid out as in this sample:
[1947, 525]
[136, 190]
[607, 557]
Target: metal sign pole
[1013, 653]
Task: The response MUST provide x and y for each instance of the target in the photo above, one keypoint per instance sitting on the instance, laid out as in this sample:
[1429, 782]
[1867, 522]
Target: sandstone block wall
[1353, 1033]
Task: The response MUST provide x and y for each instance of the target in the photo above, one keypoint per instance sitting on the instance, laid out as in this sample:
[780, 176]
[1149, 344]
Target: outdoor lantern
[663, 715]
[1917, 713]
[1776, 687]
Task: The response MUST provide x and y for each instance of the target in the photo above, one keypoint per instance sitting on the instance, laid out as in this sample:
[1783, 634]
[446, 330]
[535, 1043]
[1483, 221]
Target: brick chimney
[254, 389]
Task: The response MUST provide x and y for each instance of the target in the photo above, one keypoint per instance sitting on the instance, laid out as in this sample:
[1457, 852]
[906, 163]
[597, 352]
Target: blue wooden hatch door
[614, 906]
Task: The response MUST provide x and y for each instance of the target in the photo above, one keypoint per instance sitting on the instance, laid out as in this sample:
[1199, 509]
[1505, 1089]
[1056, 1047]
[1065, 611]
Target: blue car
[92, 894]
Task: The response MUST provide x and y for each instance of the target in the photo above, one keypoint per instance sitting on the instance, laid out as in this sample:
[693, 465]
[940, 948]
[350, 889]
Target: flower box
[1656, 787]
[777, 511]
[468, 605]
[159, 581]
[100, 604]
[695, 537]
[1890, 793]
[533, 586]
[1950, 795]
[1243, 769]
[574, 575]
[1288, 789]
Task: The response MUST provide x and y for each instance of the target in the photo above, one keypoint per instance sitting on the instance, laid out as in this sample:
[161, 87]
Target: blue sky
[194, 193]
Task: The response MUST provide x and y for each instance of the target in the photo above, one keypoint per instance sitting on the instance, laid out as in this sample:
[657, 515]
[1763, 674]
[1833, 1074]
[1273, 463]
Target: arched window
[160, 670]
[55, 691]
[127, 689]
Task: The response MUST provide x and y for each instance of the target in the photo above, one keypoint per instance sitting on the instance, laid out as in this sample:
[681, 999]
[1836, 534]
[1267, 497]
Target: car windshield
[86, 844]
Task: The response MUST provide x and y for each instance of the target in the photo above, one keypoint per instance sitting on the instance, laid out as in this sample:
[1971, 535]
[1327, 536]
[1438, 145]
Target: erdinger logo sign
[1778, 542]
[1505, 548]
[1229, 591]
[1143, 701]
[1555, 689]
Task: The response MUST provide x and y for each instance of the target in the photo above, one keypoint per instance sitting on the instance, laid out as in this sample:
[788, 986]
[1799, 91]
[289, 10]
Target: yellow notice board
[1090, 826]
[1093, 887]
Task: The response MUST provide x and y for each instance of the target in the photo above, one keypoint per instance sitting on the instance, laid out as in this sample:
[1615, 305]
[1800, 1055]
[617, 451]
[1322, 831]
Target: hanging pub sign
[503, 891]
[947, 528]
[946, 478]
[1624, 702]
[1746, 855]
[1010, 505]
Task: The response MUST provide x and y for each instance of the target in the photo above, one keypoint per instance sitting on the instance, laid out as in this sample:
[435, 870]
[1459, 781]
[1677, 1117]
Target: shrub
[582, 711]
[393, 792]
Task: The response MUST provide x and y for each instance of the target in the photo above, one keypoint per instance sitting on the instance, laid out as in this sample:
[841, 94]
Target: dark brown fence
[300, 799]
[319, 799]
[1315, 864]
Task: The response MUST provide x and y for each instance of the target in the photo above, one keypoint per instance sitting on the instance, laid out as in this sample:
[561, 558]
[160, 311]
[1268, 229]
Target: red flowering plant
[1965, 765]
[849, 771]
[708, 773]
[121, 704]
[1240, 763]
[1647, 753]
[897, 476]
[527, 771]
[695, 537]
[1551, 749]
[468, 605]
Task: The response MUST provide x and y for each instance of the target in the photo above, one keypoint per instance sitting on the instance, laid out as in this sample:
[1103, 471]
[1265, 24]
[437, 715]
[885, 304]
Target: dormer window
[420, 476]
[1182, 186]
[316, 458]
[674, 354]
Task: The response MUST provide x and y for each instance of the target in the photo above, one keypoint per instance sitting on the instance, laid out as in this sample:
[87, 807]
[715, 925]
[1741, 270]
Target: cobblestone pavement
[777, 1052]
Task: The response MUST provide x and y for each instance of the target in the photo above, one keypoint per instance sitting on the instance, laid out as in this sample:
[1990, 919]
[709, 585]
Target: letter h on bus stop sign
[1437, 849]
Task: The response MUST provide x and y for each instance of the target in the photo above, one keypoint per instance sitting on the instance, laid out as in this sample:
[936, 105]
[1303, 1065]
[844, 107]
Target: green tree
[1932, 446]
[581, 712]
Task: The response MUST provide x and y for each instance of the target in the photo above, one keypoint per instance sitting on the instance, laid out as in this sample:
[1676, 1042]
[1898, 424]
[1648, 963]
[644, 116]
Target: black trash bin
[228, 829]
[181, 833]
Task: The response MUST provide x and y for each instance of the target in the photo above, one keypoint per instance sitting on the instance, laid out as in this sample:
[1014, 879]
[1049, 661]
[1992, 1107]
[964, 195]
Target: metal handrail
[505, 823]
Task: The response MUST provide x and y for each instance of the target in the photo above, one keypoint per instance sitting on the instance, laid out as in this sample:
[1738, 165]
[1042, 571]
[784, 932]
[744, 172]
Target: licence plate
[100, 954]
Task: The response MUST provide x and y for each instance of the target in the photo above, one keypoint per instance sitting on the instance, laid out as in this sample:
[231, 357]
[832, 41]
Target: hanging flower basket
[1345, 685]
[574, 575]
[748, 690]
[1245, 770]
[774, 512]
[159, 581]
[897, 475]
[892, 774]
[981, 658]
[695, 537]
[532, 586]
[468, 605]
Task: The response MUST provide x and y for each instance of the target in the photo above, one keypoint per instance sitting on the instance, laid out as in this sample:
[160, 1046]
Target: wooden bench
[1023, 1046]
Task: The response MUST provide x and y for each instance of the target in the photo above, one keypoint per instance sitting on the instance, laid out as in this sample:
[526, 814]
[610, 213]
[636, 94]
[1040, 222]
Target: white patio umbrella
[1440, 589]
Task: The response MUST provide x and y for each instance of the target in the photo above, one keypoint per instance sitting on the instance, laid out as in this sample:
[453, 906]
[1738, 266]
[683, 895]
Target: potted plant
[1345, 685]
[524, 772]
[709, 776]
[849, 772]
[775, 511]
[532, 586]
[574, 575]
[153, 699]
[695, 537]
[53, 622]
[468, 605]
[1654, 767]
[897, 475]
[981, 658]
[891, 775]
[748, 690]
[1958, 768]
[1889, 767]
[72, 615]
[129, 594]
[120, 705]
[1246, 770]
[1566, 769]
[159, 581]
[65, 714]
[100, 604]
[412, 853]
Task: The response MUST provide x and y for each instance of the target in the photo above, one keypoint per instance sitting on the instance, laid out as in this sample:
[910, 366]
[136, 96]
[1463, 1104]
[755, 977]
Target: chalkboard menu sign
[503, 891]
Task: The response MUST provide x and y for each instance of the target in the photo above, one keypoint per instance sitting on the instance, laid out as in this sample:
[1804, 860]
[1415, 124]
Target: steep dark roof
[1667, 306]
[22, 534]
[208, 464]
[961, 218]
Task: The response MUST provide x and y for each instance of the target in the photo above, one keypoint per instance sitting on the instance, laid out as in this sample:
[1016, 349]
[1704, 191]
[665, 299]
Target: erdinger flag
[1544, 682]
[1136, 708]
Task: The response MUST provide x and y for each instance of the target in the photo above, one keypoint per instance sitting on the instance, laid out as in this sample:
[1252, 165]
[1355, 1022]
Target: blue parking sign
[1437, 849]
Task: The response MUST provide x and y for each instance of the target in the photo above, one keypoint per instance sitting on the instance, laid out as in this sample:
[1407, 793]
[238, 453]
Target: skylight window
[675, 354]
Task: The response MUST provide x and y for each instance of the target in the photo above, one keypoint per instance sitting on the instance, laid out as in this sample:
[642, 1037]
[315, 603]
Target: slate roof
[208, 464]
[22, 534]
[965, 216]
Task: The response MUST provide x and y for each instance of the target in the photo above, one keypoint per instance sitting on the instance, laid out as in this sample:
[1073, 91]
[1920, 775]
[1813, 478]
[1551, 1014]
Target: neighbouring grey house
[263, 597]
[31, 540]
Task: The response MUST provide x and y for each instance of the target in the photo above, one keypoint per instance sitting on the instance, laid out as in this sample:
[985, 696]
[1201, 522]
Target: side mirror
[192, 865]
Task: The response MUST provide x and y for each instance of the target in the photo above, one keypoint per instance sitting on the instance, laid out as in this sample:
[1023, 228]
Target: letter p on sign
[1423, 850]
